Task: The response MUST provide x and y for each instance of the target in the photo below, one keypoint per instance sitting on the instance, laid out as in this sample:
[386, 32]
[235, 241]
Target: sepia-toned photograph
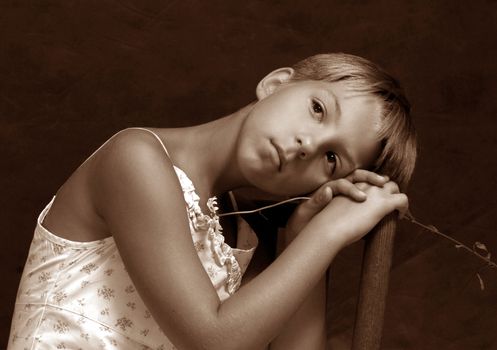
[225, 175]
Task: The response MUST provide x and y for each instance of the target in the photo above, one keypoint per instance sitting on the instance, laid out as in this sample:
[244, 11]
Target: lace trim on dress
[222, 252]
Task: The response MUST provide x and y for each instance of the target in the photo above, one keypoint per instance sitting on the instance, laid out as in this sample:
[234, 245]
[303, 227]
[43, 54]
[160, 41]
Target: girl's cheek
[303, 186]
[312, 181]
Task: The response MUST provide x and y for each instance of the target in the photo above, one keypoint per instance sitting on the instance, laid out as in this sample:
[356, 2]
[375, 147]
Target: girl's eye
[331, 158]
[318, 110]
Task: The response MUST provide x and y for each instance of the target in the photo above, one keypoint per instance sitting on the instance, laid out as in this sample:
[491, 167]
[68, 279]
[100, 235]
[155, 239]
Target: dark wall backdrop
[72, 73]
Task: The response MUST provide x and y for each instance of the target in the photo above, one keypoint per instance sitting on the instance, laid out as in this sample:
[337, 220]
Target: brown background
[74, 72]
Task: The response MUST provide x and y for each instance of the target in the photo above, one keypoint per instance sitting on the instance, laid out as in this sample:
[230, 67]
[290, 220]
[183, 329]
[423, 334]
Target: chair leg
[373, 288]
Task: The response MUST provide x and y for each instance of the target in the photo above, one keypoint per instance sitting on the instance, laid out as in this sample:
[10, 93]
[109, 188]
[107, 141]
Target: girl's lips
[281, 155]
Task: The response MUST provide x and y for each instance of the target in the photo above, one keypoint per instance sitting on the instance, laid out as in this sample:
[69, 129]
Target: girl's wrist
[330, 236]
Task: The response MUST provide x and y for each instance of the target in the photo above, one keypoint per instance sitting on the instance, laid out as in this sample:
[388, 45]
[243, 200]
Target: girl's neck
[207, 153]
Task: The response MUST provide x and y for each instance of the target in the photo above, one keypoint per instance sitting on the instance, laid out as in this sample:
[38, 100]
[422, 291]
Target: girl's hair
[397, 134]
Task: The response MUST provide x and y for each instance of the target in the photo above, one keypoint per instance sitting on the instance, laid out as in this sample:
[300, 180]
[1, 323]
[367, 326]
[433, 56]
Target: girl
[116, 263]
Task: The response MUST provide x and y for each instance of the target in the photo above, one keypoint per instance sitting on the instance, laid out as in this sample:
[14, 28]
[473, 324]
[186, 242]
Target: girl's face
[300, 135]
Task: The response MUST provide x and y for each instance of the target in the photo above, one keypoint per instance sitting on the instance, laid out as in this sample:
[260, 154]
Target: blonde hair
[398, 138]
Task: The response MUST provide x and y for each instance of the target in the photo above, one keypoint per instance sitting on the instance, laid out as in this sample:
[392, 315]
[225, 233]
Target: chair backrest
[373, 290]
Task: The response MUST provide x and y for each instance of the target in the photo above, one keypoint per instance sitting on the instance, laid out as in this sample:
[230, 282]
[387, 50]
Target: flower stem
[433, 229]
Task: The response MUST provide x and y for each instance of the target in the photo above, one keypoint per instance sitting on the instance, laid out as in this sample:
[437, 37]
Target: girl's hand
[345, 221]
[322, 196]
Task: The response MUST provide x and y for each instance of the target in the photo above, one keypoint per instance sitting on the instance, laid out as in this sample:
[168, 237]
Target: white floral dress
[78, 295]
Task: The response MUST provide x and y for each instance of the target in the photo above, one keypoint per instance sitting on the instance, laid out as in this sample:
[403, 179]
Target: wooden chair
[377, 260]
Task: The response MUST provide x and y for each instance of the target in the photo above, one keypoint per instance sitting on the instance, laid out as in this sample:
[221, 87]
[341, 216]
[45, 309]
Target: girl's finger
[401, 203]
[347, 188]
[307, 210]
[361, 175]
[318, 201]
[392, 187]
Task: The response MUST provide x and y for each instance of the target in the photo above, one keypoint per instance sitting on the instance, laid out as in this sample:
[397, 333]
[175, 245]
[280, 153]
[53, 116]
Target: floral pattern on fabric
[78, 295]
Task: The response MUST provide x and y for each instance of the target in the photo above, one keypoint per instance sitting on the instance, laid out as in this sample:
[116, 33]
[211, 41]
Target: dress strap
[117, 133]
[156, 136]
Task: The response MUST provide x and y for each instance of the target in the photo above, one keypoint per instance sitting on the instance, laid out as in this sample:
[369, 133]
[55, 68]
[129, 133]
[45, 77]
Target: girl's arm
[136, 191]
[307, 327]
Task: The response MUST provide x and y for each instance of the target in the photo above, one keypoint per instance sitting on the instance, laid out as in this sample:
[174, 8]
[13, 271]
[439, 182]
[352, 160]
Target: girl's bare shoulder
[133, 165]
[130, 147]
[112, 172]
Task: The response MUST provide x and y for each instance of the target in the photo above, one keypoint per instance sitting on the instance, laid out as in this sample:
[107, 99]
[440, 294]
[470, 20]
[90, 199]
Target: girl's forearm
[256, 314]
[260, 309]
[306, 329]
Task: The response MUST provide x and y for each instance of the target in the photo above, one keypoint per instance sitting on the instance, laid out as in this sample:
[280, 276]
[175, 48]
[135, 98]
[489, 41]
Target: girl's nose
[305, 146]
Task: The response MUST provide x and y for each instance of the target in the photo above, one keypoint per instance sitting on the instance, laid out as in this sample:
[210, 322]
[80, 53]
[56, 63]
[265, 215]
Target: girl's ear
[273, 81]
